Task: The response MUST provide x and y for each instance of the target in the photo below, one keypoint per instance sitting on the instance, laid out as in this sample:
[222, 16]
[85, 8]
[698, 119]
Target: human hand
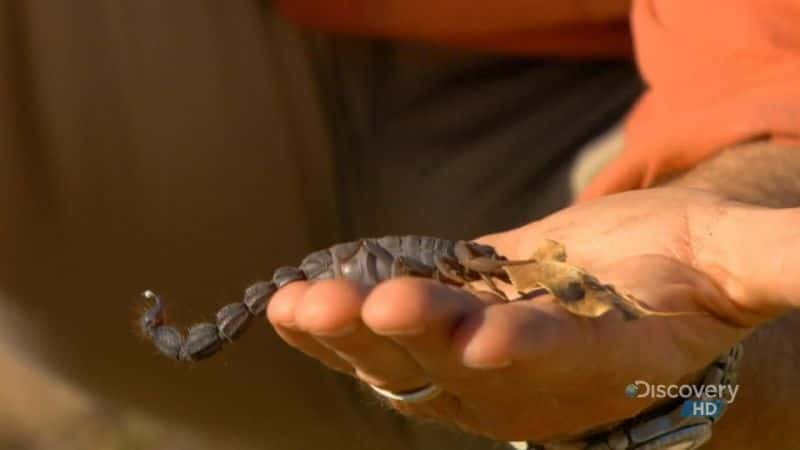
[532, 371]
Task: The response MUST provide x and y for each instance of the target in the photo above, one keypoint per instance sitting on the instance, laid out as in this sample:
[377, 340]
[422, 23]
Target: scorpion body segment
[257, 295]
[232, 320]
[367, 261]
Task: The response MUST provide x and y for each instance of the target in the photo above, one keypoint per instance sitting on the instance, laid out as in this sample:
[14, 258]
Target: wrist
[746, 245]
[750, 252]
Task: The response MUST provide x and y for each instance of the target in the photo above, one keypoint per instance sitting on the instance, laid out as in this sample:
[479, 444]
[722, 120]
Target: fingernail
[290, 325]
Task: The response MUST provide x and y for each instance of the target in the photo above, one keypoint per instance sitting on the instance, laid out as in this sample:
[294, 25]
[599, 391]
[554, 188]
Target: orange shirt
[581, 28]
[718, 71]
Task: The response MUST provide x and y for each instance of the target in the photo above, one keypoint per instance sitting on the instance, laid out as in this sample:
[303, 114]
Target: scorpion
[370, 261]
[367, 261]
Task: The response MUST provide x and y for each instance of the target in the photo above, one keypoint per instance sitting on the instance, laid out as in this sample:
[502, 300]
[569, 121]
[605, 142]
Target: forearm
[759, 173]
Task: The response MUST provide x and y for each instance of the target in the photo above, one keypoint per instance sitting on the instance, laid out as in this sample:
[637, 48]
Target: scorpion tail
[204, 339]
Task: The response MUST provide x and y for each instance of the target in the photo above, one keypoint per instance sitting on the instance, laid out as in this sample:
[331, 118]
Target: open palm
[530, 370]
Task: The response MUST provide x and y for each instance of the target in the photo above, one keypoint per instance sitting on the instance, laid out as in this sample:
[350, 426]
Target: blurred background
[193, 147]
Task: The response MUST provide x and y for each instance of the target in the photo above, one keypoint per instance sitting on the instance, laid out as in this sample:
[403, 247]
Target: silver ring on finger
[420, 395]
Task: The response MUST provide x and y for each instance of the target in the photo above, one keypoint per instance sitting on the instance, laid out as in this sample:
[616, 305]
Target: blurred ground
[40, 411]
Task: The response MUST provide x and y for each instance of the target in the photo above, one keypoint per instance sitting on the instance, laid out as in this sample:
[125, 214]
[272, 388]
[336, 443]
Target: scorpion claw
[450, 271]
[402, 266]
[478, 258]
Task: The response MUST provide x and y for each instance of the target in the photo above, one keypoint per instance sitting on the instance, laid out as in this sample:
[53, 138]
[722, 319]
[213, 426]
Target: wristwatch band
[668, 428]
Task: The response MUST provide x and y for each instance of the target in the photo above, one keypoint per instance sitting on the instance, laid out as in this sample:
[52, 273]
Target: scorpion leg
[403, 266]
[450, 271]
[380, 262]
[459, 272]
[479, 258]
[493, 287]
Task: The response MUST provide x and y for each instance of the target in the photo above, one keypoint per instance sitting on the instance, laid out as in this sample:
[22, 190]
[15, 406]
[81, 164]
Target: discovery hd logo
[705, 400]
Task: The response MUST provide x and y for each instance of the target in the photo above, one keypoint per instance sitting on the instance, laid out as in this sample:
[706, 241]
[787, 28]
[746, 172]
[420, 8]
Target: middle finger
[330, 311]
